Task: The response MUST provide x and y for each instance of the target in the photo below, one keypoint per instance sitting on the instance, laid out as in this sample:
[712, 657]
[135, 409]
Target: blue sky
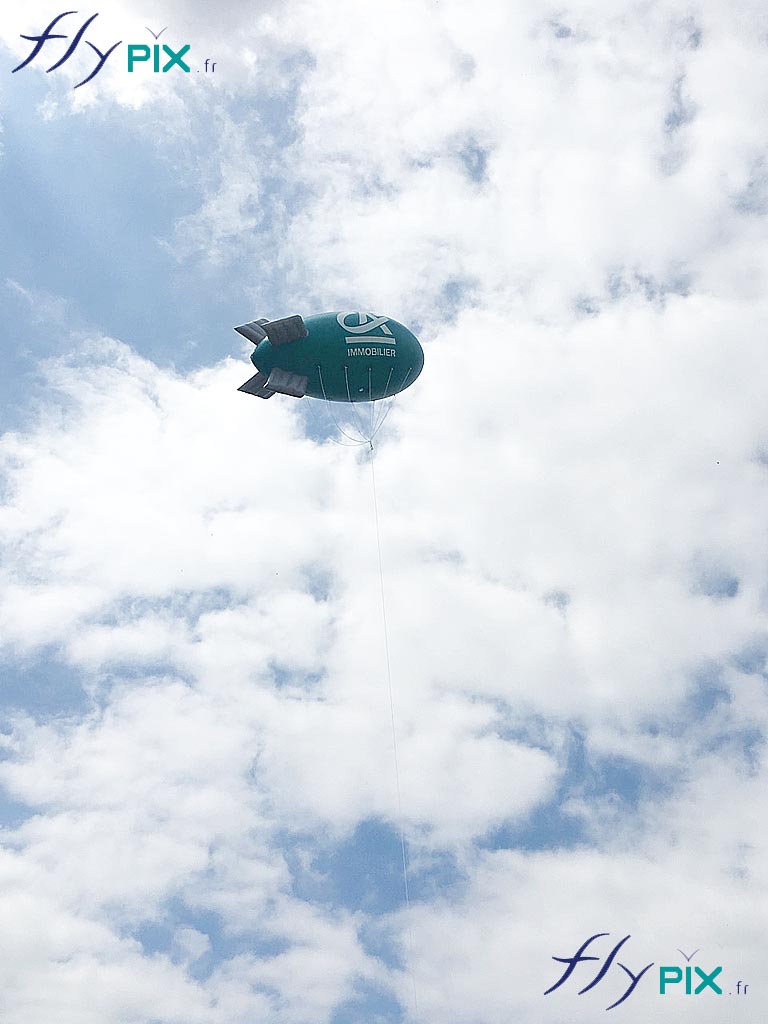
[104, 196]
[197, 793]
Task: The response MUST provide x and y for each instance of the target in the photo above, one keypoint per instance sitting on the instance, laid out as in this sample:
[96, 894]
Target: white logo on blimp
[366, 322]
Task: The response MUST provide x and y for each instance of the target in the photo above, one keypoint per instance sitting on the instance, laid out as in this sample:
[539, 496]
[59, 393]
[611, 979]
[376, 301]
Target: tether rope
[377, 422]
[401, 827]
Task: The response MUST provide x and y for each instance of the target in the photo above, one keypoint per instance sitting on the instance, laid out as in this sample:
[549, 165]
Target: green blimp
[341, 357]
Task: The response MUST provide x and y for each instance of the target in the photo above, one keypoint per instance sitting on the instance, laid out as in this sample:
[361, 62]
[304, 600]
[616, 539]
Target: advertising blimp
[341, 357]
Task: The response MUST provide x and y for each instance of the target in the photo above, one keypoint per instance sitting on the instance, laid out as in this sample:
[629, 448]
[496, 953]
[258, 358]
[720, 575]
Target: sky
[199, 812]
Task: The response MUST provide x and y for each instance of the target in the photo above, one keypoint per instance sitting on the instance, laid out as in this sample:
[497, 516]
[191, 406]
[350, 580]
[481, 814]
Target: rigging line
[401, 827]
[371, 404]
[391, 405]
[356, 414]
[323, 429]
[378, 417]
[331, 413]
[385, 413]
[341, 430]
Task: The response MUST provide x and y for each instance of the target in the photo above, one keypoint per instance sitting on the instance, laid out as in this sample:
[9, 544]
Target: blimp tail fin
[257, 386]
[279, 381]
[253, 331]
[279, 332]
[290, 328]
[286, 383]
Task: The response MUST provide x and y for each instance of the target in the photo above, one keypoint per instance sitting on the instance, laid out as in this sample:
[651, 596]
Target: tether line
[409, 932]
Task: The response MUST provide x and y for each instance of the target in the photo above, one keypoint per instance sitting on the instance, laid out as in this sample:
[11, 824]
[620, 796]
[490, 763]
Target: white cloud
[177, 790]
[688, 879]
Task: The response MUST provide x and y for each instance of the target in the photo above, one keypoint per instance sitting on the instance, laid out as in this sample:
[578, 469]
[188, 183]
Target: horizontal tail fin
[257, 386]
[279, 332]
[286, 383]
[253, 331]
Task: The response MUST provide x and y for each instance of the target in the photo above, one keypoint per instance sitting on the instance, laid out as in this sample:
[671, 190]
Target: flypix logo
[697, 980]
[163, 57]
